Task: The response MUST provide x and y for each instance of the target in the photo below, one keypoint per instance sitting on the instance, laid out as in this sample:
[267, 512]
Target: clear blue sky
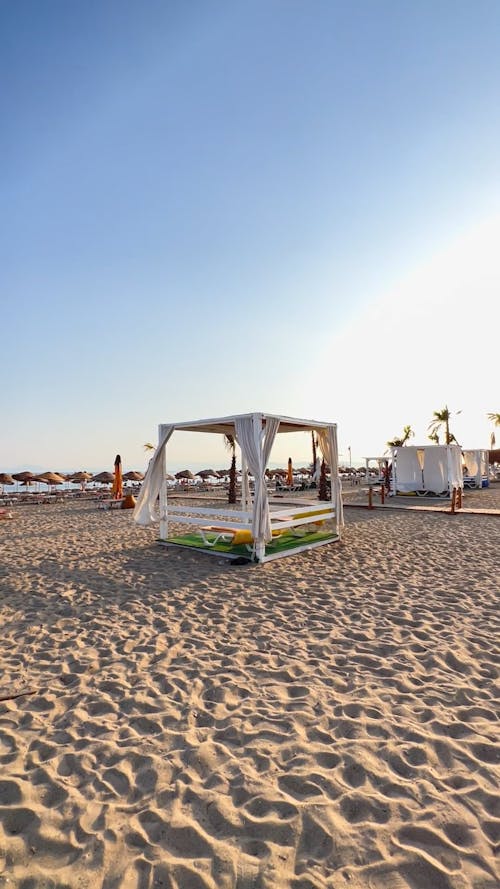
[216, 207]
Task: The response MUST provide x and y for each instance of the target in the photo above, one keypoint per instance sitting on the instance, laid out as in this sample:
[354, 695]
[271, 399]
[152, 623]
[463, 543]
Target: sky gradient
[210, 208]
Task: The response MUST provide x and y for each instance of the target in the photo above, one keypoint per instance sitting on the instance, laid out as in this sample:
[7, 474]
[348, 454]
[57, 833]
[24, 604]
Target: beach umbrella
[289, 472]
[170, 478]
[117, 489]
[50, 478]
[184, 474]
[133, 476]
[104, 478]
[22, 476]
[6, 479]
[80, 478]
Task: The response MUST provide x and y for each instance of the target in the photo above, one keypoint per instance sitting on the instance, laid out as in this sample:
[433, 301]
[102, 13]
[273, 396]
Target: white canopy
[430, 468]
[255, 434]
[476, 466]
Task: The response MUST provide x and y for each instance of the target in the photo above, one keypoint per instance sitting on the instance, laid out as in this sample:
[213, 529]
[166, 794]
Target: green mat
[284, 542]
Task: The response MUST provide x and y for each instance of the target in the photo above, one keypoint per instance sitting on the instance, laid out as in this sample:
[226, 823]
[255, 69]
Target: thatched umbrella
[6, 479]
[50, 478]
[184, 474]
[207, 473]
[79, 477]
[169, 478]
[23, 476]
[133, 476]
[104, 478]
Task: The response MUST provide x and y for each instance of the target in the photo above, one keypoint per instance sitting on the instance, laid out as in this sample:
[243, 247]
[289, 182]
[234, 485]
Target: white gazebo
[430, 469]
[265, 531]
[476, 468]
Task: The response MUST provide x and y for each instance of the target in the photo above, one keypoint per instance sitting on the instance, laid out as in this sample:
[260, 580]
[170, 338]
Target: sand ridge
[328, 720]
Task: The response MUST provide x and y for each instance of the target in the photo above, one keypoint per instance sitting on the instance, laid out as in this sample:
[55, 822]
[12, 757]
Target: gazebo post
[163, 492]
[244, 482]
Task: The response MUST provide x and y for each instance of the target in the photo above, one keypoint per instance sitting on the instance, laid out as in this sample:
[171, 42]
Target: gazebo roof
[225, 425]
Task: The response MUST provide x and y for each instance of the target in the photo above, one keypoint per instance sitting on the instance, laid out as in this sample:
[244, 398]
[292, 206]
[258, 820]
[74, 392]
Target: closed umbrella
[117, 489]
[289, 472]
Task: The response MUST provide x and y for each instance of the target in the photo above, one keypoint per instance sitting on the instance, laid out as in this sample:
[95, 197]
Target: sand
[327, 720]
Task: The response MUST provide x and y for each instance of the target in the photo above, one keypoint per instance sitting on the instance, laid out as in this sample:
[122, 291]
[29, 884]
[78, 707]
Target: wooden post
[459, 498]
[370, 498]
[382, 493]
[453, 501]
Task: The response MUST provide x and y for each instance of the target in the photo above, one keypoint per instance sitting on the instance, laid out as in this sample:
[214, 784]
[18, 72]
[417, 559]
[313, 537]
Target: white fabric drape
[471, 460]
[408, 468]
[144, 509]
[436, 469]
[256, 444]
[455, 474]
[328, 445]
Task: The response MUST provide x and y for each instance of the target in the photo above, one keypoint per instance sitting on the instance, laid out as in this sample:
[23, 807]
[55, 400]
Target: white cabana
[430, 469]
[256, 519]
[476, 468]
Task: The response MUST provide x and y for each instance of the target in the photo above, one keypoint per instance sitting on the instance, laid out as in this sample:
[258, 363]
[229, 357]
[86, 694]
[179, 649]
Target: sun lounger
[110, 504]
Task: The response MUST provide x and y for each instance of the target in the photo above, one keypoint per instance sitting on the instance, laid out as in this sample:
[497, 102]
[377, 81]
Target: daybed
[257, 530]
[431, 470]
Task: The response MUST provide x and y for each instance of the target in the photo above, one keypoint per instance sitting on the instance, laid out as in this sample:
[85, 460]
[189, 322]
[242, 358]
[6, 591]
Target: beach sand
[326, 720]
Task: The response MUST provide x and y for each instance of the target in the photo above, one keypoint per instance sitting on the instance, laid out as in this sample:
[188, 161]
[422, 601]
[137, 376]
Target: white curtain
[144, 510]
[328, 444]
[436, 469]
[455, 474]
[408, 468]
[256, 444]
[471, 460]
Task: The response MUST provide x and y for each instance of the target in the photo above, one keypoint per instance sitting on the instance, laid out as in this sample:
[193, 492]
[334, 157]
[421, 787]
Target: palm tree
[495, 419]
[442, 418]
[230, 444]
[149, 447]
[400, 442]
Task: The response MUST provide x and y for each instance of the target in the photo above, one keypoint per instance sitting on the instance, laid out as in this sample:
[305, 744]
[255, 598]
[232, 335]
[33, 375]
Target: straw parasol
[104, 478]
[6, 479]
[133, 476]
[50, 478]
[23, 476]
[80, 477]
[169, 478]
[184, 473]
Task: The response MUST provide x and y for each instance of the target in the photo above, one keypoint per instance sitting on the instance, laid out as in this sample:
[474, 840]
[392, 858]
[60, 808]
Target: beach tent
[430, 469]
[265, 532]
[476, 468]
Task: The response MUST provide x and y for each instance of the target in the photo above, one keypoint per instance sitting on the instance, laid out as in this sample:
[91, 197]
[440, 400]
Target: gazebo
[427, 470]
[258, 530]
[476, 470]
